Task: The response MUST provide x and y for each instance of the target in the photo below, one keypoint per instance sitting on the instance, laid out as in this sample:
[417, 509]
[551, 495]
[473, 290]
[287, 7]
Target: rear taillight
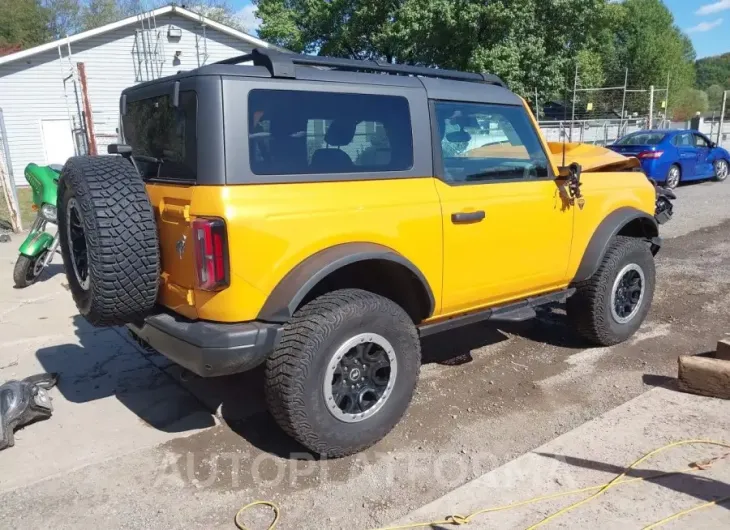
[650, 155]
[211, 253]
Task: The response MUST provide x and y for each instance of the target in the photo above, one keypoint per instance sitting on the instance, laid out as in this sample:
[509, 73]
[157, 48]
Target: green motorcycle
[37, 251]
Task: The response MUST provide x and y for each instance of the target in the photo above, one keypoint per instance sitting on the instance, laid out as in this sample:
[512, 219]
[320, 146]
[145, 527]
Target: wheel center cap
[354, 374]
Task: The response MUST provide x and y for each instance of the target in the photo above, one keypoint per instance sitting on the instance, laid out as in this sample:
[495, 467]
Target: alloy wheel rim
[627, 293]
[673, 177]
[37, 267]
[77, 244]
[360, 377]
[721, 170]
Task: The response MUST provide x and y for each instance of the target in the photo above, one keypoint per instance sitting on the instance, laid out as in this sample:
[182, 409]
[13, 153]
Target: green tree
[65, 17]
[529, 43]
[653, 48]
[714, 71]
[688, 103]
[714, 96]
[23, 23]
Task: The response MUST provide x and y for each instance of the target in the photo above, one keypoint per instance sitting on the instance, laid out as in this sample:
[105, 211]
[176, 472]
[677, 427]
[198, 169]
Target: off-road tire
[589, 309]
[121, 239]
[295, 372]
[23, 273]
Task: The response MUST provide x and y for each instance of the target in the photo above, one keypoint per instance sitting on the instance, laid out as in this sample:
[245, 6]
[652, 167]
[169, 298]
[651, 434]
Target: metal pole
[575, 89]
[722, 117]
[623, 105]
[87, 109]
[666, 103]
[7, 181]
[537, 106]
[651, 107]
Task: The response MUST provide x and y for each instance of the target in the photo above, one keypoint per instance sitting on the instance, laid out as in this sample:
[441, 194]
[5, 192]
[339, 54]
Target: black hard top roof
[439, 83]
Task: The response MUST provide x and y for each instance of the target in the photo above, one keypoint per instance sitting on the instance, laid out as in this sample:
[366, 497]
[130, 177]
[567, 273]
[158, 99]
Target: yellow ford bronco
[321, 215]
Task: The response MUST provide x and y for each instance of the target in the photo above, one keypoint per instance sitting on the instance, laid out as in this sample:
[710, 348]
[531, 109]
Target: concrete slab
[110, 399]
[596, 452]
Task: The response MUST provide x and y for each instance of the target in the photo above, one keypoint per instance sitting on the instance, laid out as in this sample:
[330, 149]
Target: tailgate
[172, 211]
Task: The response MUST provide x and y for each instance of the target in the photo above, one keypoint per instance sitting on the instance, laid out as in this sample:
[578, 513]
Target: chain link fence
[602, 115]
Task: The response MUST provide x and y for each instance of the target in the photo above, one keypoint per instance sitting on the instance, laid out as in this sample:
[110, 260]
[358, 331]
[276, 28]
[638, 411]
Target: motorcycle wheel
[28, 270]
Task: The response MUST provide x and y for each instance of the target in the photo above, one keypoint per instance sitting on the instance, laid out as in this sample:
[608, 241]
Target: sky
[707, 22]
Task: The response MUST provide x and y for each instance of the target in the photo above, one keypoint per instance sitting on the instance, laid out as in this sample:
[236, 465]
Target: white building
[41, 92]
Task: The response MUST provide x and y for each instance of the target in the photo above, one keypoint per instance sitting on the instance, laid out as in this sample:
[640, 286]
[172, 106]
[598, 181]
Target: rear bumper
[208, 349]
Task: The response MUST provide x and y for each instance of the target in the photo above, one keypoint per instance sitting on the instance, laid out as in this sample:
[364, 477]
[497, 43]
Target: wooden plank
[704, 376]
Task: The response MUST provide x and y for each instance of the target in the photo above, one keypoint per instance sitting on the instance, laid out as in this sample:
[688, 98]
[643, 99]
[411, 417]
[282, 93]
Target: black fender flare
[294, 287]
[606, 231]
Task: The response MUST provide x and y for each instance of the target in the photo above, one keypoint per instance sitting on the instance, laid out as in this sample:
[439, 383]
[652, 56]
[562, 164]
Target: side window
[298, 132]
[488, 143]
[164, 138]
[683, 140]
[700, 141]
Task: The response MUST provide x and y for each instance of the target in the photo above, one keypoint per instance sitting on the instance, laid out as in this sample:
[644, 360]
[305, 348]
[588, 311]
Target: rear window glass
[642, 139]
[163, 137]
[297, 132]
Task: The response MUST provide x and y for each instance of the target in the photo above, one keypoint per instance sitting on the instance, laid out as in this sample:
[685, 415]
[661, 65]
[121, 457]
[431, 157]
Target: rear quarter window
[295, 132]
[163, 137]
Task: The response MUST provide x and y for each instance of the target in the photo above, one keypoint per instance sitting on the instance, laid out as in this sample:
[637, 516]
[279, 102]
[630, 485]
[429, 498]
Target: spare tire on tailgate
[108, 239]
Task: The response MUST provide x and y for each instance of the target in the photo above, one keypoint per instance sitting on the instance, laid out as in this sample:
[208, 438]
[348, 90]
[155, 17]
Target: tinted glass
[700, 141]
[481, 143]
[642, 139]
[297, 132]
[163, 137]
[683, 140]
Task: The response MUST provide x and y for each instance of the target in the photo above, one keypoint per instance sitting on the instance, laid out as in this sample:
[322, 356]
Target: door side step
[512, 312]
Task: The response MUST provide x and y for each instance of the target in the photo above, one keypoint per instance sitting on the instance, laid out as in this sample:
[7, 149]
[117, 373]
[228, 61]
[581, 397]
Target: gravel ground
[487, 394]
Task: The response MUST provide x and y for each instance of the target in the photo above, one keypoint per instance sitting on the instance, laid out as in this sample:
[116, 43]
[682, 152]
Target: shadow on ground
[695, 485]
[105, 363]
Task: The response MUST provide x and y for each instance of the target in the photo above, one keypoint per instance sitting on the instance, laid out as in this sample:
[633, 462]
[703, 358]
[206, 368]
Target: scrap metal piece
[22, 403]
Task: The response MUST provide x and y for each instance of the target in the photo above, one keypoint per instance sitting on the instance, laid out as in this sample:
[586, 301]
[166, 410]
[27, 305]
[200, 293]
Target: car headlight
[48, 212]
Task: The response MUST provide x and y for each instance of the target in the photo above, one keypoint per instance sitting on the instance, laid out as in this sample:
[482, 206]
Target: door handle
[467, 217]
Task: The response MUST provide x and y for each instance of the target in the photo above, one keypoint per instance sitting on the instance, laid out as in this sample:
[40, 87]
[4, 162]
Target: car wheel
[344, 372]
[609, 307]
[674, 176]
[108, 238]
[722, 169]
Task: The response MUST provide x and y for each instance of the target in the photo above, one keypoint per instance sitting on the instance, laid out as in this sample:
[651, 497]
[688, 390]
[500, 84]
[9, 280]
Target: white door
[57, 141]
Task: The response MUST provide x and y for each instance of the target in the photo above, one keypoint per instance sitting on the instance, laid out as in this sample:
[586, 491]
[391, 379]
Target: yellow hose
[619, 480]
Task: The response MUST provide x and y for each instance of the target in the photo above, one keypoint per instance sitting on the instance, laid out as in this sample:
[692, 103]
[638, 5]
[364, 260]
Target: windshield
[642, 139]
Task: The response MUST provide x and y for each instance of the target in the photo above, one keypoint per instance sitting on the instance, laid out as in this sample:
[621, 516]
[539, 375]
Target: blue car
[671, 157]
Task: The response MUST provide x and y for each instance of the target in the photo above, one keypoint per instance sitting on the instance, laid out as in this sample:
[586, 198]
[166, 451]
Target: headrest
[340, 132]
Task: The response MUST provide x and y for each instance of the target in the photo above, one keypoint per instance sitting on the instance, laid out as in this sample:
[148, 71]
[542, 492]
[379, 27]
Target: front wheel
[344, 372]
[28, 270]
[609, 307]
[722, 169]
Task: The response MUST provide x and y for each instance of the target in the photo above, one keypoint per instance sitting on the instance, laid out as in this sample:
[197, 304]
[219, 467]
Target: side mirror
[572, 174]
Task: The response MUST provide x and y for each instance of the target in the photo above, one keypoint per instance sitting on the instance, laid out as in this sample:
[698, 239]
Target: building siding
[31, 89]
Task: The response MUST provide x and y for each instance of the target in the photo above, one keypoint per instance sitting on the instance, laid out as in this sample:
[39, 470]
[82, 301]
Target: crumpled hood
[591, 157]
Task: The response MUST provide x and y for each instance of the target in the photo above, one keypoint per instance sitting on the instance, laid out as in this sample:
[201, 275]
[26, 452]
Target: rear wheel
[28, 270]
[344, 372]
[609, 307]
[674, 176]
[722, 169]
[108, 239]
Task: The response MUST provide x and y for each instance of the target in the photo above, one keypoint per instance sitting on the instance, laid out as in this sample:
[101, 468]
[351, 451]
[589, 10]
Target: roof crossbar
[280, 64]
